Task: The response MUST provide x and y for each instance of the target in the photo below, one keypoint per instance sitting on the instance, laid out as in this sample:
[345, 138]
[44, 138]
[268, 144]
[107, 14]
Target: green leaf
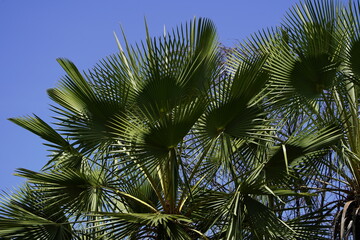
[24, 215]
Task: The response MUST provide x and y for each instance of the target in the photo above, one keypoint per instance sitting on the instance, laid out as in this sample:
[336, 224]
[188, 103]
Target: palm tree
[175, 139]
[314, 66]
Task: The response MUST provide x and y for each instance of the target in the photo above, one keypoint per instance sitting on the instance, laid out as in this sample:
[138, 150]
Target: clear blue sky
[34, 33]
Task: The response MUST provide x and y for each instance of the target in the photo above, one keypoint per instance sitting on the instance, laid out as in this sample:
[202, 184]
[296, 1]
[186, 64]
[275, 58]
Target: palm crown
[178, 138]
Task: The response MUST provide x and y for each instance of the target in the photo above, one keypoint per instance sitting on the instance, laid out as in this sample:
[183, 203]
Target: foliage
[179, 138]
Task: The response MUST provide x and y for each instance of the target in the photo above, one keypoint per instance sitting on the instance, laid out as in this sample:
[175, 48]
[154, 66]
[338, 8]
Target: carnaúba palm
[162, 141]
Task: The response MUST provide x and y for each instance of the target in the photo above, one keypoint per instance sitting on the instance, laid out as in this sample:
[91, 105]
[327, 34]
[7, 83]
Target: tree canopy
[179, 137]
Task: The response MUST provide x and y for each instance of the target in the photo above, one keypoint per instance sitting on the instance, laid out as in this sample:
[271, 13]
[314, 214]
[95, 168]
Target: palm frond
[24, 215]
